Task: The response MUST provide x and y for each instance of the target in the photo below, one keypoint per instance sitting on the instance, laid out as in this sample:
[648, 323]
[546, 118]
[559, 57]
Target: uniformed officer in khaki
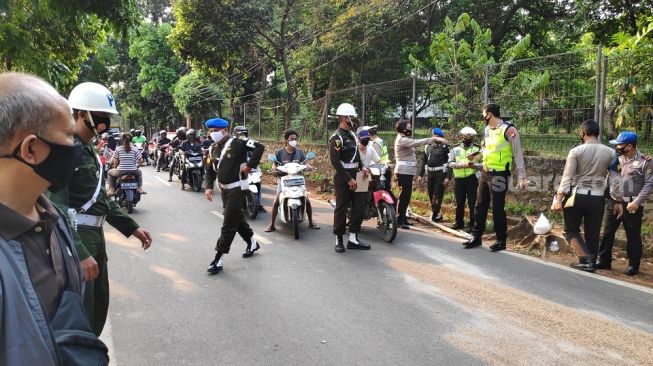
[87, 204]
[636, 182]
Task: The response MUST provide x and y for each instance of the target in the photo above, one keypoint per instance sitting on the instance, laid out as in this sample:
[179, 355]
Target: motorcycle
[292, 200]
[379, 203]
[142, 153]
[127, 195]
[250, 203]
[192, 170]
[163, 157]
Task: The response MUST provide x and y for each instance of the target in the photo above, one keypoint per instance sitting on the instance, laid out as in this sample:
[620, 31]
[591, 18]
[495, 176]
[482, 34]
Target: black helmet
[191, 132]
[241, 130]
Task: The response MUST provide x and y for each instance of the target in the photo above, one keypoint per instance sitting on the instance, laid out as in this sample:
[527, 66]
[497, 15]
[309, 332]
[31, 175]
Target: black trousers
[405, 183]
[492, 186]
[344, 199]
[465, 189]
[587, 210]
[234, 220]
[632, 225]
[435, 187]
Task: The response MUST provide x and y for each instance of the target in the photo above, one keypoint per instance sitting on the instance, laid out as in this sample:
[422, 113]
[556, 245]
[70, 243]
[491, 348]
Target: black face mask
[467, 143]
[621, 150]
[58, 167]
[365, 142]
[97, 120]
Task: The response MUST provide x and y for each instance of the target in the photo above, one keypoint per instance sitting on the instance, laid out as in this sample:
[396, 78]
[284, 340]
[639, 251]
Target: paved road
[420, 301]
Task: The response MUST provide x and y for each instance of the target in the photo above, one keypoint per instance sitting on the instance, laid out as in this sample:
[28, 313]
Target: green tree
[191, 97]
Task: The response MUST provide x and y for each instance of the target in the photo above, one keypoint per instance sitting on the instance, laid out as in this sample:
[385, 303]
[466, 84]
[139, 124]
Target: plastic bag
[542, 226]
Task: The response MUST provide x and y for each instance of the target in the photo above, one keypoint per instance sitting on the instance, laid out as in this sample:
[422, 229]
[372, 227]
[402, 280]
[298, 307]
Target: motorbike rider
[126, 159]
[191, 144]
[434, 164]
[289, 154]
[465, 173]
[242, 133]
[368, 154]
[160, 143]
[138, 138]
[345, 159]
[176, 141]
[229, 166]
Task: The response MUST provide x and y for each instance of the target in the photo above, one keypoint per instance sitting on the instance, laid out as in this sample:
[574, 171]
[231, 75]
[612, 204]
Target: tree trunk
[8, 65]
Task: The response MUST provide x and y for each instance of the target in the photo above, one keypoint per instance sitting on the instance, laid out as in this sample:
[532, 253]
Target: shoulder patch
[251, 143]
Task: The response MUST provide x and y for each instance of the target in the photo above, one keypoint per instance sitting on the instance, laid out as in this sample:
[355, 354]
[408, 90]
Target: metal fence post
[597, 92]
[326, 115]
[258, 117]
[414, 96]
[363, 123]
[486, 85]
[604, 70]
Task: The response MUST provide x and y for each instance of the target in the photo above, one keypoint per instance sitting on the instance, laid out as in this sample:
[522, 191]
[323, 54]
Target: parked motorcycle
[250, 203]
[379, 203]
[292, 200]
[127, 195]
[192, 170]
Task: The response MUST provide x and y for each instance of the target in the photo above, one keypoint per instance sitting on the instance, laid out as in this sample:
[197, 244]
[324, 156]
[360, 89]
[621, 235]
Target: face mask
[467, 143]
[96, 120]
[365, 142]
[292, 143]
[620, 150]
[58, 167]
[217, 136]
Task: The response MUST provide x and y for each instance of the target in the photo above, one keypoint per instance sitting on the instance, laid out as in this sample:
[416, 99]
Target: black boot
[632, 270]
[457, 227]
[252, 246]
[585, 264]
[498, 246]
[603, 265]
[474, 242]
[357, 244]
[340, 248]
[216, 264]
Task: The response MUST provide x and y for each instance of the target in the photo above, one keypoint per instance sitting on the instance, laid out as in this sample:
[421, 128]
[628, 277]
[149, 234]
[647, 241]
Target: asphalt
[422, 300]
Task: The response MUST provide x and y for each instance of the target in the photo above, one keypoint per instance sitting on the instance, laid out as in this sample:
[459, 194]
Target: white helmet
[346, 109]
[92, 97]
[105, 135]
[468, 131]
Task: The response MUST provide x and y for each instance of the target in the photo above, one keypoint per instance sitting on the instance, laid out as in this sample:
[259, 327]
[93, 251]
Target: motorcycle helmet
[346, 109]
[137, 133]
[468, 133]
[105, 136]
[241, 131]
[163, 133]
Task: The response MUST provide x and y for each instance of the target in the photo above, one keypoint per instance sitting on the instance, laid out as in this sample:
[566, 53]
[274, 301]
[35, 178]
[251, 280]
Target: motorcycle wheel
[388, 221]
[130, 206]
[295, 221]
[251, 206]
[197, 180]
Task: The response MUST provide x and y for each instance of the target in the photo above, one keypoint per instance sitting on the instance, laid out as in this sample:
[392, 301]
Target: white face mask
[292, 143]
[217, 136]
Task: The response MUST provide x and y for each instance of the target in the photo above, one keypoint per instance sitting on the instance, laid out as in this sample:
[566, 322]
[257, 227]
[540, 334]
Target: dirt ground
[323, 192]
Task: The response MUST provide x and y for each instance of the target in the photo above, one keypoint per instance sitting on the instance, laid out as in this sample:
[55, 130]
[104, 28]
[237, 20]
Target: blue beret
[437, 131]
[216, 123]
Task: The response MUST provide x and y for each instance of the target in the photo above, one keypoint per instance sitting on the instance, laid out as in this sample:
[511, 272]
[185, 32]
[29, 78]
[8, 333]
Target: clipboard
[569, 202]
[362, 182]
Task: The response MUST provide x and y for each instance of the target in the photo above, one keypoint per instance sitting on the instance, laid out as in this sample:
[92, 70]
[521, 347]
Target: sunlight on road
[178, 282]
[121, 291]
[512, 327]
[131, 244]
[175, 237]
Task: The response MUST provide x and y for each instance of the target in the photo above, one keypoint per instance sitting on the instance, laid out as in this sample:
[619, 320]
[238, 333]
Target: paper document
[362, 182]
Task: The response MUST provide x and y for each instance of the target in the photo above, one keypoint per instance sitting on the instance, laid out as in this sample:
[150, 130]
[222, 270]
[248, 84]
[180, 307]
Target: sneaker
[251, 248]
[215, 266]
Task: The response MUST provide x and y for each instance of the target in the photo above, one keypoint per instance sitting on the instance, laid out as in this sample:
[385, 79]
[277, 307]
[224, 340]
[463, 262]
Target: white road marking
[107, 338]
[219, 215]
[163, 181]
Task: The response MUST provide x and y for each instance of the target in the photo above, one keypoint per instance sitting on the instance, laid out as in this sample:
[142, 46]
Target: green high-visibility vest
[383, 158]
[460, 154]
[497, 151]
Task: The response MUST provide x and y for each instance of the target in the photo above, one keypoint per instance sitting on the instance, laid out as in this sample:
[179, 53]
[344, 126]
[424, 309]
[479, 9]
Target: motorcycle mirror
[272, 158]
[310, 156]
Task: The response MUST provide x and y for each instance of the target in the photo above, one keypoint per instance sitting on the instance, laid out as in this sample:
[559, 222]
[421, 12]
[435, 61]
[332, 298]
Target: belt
[89, 220]
[231, 185]
[590, 192]
[406, 163]
[349, 165]
[434, 168]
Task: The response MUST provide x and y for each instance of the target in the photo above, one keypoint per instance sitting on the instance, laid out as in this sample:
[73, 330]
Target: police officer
[87, 204]
[406, 166]
[436, 157]
[464, 173]
[176, 142]
[637, 182]
[162, 141]
[378, 144]
[500, 145]
[229, 165]
[345, 159]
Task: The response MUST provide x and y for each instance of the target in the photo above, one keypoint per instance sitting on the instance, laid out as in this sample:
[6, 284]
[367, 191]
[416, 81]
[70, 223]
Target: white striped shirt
[128, 159]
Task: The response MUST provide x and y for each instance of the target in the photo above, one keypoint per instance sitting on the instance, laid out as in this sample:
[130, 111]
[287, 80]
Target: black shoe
[251, 248]
[403, 226]
[498, 246]
[183, 188]
[632, 270]
[158, 170]
[587, 267]
[339, 247]
[261, 209]
[457, 227]
[215, 266]
[169, 179]
[474, 242]
[359, 245]
[409, 223]
[603, 265]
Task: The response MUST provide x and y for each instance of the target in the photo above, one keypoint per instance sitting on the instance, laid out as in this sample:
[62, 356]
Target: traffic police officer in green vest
[434, 164]
[378, 144]
[637, 181]
[501, 145]
[87, 204]
[465, 176]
